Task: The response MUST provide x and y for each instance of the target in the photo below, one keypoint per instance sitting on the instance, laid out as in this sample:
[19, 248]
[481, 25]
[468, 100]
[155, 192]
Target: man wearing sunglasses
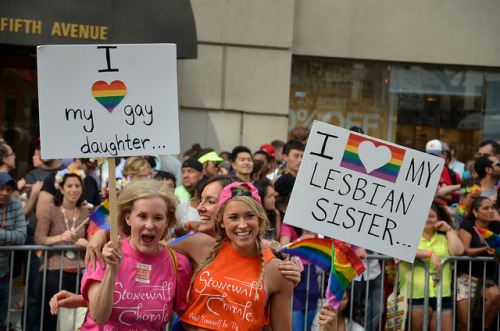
[488, 169]
[211, 164]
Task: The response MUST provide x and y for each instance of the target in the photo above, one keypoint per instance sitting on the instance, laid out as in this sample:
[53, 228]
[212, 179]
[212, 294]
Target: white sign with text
[108, 100]
[364, 191]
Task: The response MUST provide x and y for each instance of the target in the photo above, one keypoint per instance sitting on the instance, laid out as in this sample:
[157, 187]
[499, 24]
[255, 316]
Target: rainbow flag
[317, 251]
[39, 253]
[491, 238]
[346, 264]
[98, 218]
[388, 172]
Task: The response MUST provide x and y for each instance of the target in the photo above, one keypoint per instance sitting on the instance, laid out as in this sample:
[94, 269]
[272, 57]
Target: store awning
[35, 22]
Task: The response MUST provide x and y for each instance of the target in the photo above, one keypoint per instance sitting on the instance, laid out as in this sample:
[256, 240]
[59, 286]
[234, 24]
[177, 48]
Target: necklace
[66, 219]
[69, 254]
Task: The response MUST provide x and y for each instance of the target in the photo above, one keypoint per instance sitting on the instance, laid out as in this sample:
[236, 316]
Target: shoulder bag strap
[174, 260]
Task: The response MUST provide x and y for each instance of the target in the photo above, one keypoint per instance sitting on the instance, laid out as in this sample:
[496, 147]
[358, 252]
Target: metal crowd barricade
[439, 283]
[382, 302]
[439, 308]
[31, 249]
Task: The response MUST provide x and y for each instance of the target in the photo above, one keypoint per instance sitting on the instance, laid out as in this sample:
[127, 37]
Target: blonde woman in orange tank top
[238, 286]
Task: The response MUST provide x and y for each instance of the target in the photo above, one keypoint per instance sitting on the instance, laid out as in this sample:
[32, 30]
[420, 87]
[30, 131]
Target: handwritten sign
[364, 191]
[107, 101]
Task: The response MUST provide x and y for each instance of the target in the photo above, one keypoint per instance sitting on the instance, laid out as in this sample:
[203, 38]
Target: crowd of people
[201, 236]
[466, 198]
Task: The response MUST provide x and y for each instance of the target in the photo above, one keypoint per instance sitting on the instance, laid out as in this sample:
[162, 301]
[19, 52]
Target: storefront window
[19, 114]
[405, 104]
[437, 103]
[491, 126]
[342, 94]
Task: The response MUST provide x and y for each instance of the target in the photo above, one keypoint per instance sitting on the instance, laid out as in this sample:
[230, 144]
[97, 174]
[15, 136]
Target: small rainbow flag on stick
[317, 251]
[346, 264]
[492, 239]
[330, 254]
[98, 218]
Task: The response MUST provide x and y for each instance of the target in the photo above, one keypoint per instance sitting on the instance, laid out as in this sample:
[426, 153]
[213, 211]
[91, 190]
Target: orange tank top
[223, 294]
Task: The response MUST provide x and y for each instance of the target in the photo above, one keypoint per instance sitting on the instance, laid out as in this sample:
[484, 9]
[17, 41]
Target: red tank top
[223, 294]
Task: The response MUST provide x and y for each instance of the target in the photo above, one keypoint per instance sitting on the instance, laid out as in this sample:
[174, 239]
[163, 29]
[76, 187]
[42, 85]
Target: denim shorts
[446, 304]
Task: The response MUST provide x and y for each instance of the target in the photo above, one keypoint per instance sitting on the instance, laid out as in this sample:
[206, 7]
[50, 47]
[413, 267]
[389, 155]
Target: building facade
[405, 72]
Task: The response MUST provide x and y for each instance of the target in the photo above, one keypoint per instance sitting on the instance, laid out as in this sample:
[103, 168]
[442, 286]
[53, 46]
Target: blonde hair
[263, 227]
[134, 165]
[143, 189]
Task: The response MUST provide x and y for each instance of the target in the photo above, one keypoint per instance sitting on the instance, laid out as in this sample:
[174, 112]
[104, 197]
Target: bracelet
[187, 226]
[430, 254]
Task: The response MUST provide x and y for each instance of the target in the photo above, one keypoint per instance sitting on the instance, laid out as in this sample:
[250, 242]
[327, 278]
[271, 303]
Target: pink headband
[227, 194]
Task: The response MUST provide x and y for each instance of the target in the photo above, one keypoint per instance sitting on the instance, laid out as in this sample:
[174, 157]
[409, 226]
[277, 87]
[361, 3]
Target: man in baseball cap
[436, 147]
[211, 163]
[448, 177]
[12, 232]
[269, 149]
[272, 165]
[191, 174]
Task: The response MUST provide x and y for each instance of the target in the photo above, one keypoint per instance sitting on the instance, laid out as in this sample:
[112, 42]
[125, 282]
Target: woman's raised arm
[101, 294]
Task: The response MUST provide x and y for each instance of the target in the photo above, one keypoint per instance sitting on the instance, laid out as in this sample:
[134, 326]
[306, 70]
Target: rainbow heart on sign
[109, 95]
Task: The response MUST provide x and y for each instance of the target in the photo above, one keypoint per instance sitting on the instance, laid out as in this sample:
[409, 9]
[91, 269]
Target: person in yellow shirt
[438, 241]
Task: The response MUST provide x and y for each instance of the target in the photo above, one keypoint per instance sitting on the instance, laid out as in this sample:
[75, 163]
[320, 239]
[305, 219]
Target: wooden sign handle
[113, 225]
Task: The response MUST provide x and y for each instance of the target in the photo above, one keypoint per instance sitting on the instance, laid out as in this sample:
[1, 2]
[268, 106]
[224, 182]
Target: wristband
[187, 225]
[430, 254]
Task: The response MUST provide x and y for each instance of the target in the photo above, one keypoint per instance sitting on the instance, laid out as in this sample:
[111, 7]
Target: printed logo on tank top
[142, 304]
[143, 273]
[222, 301]
[220, 304]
